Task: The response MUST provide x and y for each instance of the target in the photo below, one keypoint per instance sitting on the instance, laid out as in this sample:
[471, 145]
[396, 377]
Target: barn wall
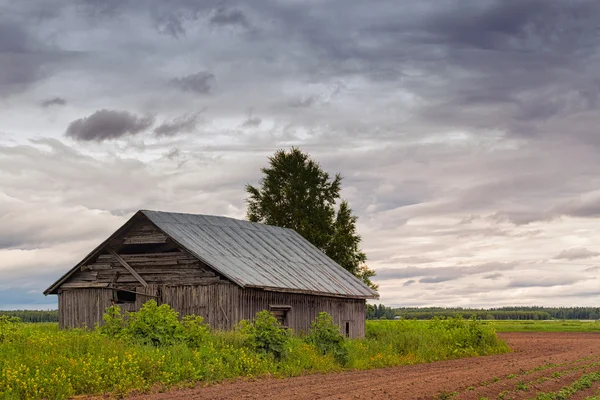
[79, 308]
[217, 303]
[221, 305]
[305, 308]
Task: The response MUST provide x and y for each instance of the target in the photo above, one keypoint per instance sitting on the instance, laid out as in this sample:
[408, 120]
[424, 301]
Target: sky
[467, 132]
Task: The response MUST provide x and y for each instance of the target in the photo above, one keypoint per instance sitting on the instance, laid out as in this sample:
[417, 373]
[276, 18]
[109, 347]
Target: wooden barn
[220, 268]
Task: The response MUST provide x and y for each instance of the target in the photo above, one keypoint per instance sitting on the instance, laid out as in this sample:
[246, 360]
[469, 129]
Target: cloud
[108, 124]
[409, 282]
[576, 253]
[225, 16]
[484, 113]
[592, 269]
[441, 274]
[494, 276]
[55, 101]
[183, 124]
[540, 281]
[20, 64]
[252, 122]
[438, 279]
[199, 83]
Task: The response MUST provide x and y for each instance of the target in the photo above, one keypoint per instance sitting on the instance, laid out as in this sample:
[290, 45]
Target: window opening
[280, 312]
[347, 328]
[124, 296]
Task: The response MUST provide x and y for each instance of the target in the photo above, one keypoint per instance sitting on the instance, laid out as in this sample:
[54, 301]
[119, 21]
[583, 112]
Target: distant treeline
[33, 315]
[519, 313]
[380, 312]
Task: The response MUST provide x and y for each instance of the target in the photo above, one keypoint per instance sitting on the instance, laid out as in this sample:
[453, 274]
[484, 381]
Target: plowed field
[540, 363]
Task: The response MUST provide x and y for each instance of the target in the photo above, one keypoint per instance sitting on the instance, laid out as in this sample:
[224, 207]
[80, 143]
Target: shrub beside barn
[222, 269]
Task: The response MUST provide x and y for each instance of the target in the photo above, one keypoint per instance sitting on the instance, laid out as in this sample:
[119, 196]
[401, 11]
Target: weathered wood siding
[217, 303]
[221, 305]
[305, 308]
[82, 308]
[172, 268]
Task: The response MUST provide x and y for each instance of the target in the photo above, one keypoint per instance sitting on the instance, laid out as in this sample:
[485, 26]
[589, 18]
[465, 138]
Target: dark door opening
[347, 328]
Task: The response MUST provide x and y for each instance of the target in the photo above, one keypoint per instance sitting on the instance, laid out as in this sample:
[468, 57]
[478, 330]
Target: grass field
[39, 361]
[544, 326]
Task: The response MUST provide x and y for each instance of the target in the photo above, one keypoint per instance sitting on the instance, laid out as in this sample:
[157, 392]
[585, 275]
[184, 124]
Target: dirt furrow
[424, 381]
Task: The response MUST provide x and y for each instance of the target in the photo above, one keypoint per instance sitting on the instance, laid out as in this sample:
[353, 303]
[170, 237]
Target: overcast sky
[467, 132]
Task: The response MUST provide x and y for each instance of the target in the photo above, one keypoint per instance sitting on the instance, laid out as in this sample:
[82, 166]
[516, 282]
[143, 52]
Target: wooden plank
[83, 285]
[128, 267]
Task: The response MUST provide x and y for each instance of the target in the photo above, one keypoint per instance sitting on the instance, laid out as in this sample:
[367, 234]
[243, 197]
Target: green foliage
[114, 322]
[155, 325]
[9, 328]
[196, 331]
[33, 315]
[379, 312]
[266, 335]
[545, 326]
[583, 383]
[296, 193]
[45, 363]
[503, 313]
[410, 341]
[326, 337]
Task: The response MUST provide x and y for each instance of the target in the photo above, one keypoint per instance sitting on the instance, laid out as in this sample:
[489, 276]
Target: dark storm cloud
[55, 101]
[19, 62]
[201, 82]
[183, 124]
[441, 274]
[577, 253]
[225, 16]
[517, 54]
[108, 124]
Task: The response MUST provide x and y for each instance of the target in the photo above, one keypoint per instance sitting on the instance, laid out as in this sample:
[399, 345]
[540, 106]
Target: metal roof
[258, 255]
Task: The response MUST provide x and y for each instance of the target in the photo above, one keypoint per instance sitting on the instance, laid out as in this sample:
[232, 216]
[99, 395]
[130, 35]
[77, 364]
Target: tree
[296, 193]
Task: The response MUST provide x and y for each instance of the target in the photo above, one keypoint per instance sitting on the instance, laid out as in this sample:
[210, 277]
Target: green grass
[545, 326]
[39, 361]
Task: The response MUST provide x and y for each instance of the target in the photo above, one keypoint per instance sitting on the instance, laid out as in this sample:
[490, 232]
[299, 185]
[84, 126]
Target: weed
[446, 395]
[522, 386]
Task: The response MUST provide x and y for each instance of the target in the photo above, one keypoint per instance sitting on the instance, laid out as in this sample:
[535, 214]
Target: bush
[196, 332]
[155, 325]
[113, 322]
[326, 337]
[9, 328]
[266, 335]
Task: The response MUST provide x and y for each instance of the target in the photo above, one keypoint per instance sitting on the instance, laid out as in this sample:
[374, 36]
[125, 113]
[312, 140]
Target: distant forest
[33, 315]
[382, 312]
[519, 313]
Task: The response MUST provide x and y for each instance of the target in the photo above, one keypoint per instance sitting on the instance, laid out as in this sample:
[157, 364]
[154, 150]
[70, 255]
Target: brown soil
[518, 375]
